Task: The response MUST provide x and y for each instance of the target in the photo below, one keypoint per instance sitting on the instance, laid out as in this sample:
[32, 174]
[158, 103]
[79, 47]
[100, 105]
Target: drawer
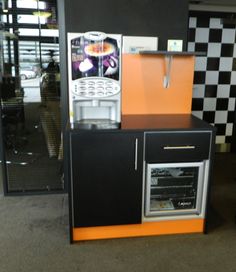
[166, 146]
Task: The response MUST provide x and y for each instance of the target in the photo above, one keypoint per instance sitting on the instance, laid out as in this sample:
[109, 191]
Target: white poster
[135, 44]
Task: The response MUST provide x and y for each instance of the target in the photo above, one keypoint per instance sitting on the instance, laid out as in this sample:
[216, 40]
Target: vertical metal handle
[136, 155]
[168, 70]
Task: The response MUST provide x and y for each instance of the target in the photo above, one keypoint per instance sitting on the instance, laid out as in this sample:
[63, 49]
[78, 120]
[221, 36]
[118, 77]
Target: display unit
[126, 183]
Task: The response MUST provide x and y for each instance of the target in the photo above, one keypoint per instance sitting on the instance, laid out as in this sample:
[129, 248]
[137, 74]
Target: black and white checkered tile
[214, 91]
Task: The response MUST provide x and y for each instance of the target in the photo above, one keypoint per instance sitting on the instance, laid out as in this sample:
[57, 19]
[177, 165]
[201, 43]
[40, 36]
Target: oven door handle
[179, 147]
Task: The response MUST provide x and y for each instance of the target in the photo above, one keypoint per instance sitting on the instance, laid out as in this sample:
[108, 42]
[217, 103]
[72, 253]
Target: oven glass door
[174, 188]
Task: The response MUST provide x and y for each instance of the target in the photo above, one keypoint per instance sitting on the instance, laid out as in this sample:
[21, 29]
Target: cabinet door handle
[179, 147]
[136, 155]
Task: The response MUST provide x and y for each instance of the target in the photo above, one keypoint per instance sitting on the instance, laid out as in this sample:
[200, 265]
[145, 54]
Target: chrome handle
[136, 155]
[179, 147]
[167, 75]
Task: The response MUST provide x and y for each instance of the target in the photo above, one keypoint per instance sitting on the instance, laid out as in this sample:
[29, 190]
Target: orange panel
[145, 229]
[143, 90]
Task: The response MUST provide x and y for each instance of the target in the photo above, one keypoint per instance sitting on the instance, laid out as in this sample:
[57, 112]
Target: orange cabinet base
[145, 229]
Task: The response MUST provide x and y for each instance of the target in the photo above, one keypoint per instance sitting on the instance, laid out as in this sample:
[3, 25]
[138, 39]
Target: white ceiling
[214, 2]
[213, 5]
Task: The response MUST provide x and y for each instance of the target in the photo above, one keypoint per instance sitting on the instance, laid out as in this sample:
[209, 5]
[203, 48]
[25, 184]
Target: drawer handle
[179, 147]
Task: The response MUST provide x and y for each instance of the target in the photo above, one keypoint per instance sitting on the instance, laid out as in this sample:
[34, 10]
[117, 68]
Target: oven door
[174, 189]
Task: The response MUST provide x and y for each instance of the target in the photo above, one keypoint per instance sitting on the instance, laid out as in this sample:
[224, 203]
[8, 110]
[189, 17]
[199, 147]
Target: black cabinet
[135, 174]
[106, 170]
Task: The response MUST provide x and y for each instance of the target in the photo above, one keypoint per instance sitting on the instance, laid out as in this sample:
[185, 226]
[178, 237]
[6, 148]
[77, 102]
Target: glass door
[174, 188]
[1, 143]
[30, 98]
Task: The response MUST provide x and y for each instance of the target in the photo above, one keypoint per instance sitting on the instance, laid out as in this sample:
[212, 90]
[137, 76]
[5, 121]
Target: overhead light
[5, 10]
[44, 14]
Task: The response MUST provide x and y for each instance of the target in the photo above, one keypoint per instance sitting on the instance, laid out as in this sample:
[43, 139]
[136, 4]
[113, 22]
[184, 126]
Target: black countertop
[163, 122]
[156, 122]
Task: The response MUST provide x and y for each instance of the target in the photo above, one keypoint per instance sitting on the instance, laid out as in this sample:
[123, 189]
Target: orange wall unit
[143, 91]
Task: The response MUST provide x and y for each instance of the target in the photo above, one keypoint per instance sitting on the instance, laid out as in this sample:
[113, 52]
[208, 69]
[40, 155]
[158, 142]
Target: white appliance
[94, 67]
[135, 44]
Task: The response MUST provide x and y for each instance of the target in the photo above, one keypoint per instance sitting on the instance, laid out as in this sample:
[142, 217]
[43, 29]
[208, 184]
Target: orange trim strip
[145, 229]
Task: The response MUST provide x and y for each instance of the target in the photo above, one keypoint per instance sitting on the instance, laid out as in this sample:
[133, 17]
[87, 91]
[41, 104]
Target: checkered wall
[214, 90]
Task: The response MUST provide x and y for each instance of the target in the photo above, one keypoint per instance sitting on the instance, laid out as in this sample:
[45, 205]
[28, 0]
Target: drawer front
[177, 146]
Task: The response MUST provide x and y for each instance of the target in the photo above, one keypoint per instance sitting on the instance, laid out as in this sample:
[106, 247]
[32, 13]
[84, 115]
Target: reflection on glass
[31, 105]
[30, 4]
[173, 188]
[50, 32]
[9, 3]
[30, 19]
[28, 32]
[1, 179]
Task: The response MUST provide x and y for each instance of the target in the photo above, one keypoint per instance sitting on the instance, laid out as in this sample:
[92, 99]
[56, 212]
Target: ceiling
[213, 5]
[214, 2]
